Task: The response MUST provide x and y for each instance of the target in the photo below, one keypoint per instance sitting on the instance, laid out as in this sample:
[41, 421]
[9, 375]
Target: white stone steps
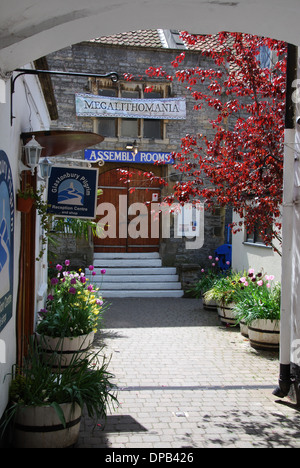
[134, 275]
[125, 278]
[141, 293]
[123, 262]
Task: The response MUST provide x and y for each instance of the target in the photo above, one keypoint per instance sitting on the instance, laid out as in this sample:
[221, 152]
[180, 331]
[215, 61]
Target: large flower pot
[60, 352]
[244, 329]
[264, 334]
[209, 305]
[226, 314]
[40, 427]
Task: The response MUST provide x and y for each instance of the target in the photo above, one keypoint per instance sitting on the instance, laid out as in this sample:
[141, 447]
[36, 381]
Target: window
[127, 127]
[257, 236]
[153, 127]
[107, 126]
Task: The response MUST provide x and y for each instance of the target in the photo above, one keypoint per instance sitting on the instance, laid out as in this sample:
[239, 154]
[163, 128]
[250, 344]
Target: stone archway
[29, 30]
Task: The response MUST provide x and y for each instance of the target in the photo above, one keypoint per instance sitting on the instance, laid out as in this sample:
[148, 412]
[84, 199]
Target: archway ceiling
[30, 29]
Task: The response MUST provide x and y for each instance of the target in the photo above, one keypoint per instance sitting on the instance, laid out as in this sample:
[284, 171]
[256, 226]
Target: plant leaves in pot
[45, 407]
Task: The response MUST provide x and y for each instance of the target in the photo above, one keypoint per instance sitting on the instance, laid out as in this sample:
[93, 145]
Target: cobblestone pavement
[186, 381]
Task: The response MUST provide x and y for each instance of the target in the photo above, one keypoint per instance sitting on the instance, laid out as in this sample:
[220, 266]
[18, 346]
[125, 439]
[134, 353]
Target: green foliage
[262, 302]
[86, 381]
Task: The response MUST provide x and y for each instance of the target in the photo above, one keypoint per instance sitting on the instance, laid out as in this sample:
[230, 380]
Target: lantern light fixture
[33, 152]
[46, 168]
[133, 147]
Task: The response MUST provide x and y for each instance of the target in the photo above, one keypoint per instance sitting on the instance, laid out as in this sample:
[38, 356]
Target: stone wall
[98, 58]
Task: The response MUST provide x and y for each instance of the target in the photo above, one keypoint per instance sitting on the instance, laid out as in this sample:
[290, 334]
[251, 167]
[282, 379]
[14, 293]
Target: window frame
[162, 88]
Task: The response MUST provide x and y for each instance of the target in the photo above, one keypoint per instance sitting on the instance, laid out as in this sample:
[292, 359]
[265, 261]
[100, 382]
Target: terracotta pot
[61, 351]
[24, 204]
[40, 427]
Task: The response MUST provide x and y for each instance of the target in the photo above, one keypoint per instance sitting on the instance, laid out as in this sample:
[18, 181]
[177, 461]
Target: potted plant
[205, 282]
[45, 407]
[259, 309]
[223, 293]
[73, 312]
[25, 199]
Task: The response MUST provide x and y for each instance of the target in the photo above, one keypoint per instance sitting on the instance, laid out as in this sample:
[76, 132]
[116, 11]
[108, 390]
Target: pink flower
[82, 279]
[251, 270]
[246, 283]
[67, 262]
[91, 267]
[202, 270]
[59, 267]
[227, 263]
[210, 257]
[93, 273]
[90, 287]
[268, 285]
[260, 283]
[73, 281]
[243, 279]
[217, 259]
[103, 272]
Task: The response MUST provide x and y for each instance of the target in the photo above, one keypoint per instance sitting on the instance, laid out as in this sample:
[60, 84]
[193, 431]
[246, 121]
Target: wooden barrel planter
[244, 329]
[226, 314]
[264, 334]
[60, 352]
[209, 305]
[40, 427]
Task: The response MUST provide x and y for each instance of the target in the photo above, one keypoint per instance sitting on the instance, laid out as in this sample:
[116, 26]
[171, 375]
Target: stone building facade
[133, 53]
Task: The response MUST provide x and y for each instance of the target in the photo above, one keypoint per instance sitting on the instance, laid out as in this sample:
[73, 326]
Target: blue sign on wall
[6, 241]
[146, 157]
[72, 192]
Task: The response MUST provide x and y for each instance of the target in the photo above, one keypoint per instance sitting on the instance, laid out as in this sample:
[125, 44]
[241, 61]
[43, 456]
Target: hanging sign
[147, 157]
[6, 241]
[88, 105]
[72, 192]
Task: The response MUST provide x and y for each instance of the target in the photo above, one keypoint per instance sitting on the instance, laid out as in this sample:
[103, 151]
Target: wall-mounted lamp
[33, 152]
[133, 147]
[46, 168]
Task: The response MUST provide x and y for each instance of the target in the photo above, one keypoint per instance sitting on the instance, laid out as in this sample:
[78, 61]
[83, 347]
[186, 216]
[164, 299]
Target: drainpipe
[287, 230]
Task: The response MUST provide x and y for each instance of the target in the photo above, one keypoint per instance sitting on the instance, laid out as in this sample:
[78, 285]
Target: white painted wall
[261, 258]
[30, 113]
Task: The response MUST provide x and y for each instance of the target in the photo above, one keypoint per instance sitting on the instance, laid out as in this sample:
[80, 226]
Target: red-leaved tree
[241, 166]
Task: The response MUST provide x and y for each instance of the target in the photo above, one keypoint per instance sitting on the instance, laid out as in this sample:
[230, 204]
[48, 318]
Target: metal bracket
[27, 71]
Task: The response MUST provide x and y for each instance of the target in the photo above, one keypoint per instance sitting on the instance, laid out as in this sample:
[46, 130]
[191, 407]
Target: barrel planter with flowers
[60, 352]
[71, 316]
[264, 334]
[259, 310]
[41, 427]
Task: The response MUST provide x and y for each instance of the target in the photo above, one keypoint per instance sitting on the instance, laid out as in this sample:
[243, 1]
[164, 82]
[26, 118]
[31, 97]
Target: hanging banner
[88, 105]
[72, 192]
[146, 157]
[6, 242]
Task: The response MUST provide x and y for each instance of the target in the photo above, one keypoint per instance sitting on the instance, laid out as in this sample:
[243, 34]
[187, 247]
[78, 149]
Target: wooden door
[131, 206]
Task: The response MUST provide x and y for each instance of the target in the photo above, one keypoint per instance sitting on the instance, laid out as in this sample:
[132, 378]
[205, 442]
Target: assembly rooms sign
[88, 105]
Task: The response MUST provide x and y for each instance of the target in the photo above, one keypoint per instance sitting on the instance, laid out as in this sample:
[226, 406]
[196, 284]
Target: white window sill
[256, 244]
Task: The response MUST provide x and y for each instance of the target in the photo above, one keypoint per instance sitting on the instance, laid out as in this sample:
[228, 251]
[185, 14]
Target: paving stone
[173, 357]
